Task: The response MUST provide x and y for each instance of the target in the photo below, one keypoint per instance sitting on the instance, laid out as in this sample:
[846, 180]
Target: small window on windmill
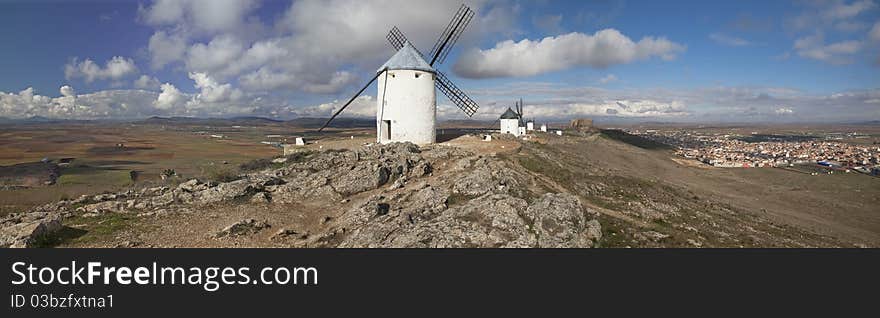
[418, 74]
[392, 74]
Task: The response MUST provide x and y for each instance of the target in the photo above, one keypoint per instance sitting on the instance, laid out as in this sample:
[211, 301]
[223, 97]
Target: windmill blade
[451, 34]
[397, 39]
[456, 95]
[349, 101]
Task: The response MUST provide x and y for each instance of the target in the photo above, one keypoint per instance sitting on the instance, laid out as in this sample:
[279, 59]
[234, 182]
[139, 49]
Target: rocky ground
[550, 192]
[377, 196]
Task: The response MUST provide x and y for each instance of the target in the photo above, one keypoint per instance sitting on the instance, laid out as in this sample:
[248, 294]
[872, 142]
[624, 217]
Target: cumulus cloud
[165, 48]
[146, 82]
[169, 98]
[67, 91]
[103, 104]
[526, 57]
[724, 39]
[213, 92]
[114, 69]
[312, 47]
[204, 15]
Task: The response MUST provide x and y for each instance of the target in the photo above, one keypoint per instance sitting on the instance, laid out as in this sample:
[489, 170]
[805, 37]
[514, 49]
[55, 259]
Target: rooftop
[407, 58]
[509, 114]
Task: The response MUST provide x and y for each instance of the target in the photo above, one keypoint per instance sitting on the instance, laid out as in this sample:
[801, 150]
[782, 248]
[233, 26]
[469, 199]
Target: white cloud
[67, 91]
[363, 106]
[165, 48]
[170, 97]
[211, 91]
[784, 111]
[312, 47]
[841, 10]
[526, 57]
[215, 55]
[814, 47]
[116, 68]
[226, 56]
[608, 79]
[724, 39]
[202, 15]
[146, 82]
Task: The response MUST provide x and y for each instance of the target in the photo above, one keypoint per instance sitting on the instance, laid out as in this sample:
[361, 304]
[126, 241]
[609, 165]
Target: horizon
[745, 62]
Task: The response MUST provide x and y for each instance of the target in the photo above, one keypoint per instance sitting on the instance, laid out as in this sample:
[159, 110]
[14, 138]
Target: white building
[407, 101]
[544, 127]
[510, 123]
[530, 125]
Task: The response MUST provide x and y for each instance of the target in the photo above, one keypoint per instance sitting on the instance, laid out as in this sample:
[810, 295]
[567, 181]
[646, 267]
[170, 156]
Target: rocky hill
[574, 191]
[379, 196]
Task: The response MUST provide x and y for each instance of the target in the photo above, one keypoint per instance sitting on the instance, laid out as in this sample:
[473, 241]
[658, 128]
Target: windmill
[406, 98]
[512, 119]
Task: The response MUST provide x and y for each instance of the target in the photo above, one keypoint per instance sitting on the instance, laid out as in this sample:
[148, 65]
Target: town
[762, 150]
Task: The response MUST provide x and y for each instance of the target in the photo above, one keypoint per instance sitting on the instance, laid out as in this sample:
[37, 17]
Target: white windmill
[406, 100]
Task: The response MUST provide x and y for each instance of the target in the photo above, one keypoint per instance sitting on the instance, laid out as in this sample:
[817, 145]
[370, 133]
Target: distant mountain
[869, 123]
[311, 122]
[255, 119]
[243, 120]
[37, 120]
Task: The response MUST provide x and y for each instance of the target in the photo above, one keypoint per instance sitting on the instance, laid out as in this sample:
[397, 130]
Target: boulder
[27, 233]
[362, 177]
[193, 185]
[234, 190]
[260, 197]
[243, 227]
[558, 220]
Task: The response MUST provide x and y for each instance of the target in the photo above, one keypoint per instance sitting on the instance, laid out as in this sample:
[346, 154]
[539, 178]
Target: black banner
[360, 281]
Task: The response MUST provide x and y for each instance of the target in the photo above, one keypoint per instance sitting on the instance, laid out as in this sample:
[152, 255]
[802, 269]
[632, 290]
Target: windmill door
[385, 130]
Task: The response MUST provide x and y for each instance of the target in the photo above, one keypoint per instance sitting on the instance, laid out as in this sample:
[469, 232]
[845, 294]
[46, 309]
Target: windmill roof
[509, 114]
[407, 58]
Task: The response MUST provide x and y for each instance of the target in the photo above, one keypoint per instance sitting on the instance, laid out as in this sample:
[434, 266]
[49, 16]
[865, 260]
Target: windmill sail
[451, 34]
[456, 96]
[349, 102]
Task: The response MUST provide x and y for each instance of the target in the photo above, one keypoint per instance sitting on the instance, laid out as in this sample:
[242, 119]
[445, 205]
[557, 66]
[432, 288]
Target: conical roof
[509, 114]
[407, 58]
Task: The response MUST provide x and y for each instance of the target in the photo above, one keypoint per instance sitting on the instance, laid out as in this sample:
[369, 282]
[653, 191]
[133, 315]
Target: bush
[220, 173]
[256, 165]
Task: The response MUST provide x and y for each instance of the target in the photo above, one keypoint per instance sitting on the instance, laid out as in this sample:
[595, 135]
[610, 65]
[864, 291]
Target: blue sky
[701, 61]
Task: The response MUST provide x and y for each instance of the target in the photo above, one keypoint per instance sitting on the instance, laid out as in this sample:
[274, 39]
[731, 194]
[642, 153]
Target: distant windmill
[406, 98]
[512, 119]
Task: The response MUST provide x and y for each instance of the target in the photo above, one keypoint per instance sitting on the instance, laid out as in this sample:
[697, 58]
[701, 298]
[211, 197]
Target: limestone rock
[558, 220]
[26, 233]
[243, 227]
[237, 189]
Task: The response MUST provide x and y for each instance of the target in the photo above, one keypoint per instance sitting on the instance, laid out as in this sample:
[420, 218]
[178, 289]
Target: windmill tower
[510, 122]
[406, 104]
[406, 99]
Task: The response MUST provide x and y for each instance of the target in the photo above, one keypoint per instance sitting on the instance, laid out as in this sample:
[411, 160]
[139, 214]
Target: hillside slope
[572, 191]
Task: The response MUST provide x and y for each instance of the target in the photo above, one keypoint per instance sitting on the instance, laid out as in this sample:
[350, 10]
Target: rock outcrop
[396, 195]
